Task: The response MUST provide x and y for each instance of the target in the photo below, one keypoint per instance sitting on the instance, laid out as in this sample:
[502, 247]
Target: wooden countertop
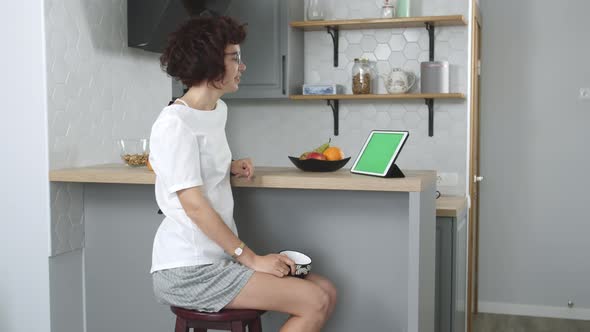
[273, 177]
[266, 177]
[451, 206]
[292, 178]
[108, 173]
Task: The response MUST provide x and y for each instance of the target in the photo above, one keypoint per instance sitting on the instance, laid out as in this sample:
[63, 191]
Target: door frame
[474, 169]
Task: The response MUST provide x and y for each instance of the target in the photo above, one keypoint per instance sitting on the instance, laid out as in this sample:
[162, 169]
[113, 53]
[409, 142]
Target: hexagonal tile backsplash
[98, 90]
[291, 127]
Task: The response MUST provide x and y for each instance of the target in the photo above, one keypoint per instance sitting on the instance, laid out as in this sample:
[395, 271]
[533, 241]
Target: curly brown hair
[195, 51]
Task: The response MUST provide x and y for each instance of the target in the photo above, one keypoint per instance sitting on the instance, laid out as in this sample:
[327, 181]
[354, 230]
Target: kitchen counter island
[374, 237]
[266, 177]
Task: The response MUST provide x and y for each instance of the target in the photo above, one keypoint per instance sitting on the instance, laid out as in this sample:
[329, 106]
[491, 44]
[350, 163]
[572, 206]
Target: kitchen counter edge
[276, 177]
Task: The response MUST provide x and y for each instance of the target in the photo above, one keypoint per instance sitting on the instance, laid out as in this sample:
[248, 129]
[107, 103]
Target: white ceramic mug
[399, 81]
[302, 263]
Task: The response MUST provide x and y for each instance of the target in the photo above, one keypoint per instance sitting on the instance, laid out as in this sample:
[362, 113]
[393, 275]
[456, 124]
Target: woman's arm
[200, 211]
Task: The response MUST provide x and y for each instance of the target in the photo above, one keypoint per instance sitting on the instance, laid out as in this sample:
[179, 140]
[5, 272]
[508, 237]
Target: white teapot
[399, 81]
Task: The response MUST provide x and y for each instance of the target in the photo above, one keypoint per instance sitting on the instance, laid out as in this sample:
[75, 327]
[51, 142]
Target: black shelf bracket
[335, 104]
[430, 101]
[430, 104]
[430, 28]
[333, 31]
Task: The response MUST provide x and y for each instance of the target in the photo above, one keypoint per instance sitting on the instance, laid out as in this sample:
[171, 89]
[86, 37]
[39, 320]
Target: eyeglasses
[237, 58]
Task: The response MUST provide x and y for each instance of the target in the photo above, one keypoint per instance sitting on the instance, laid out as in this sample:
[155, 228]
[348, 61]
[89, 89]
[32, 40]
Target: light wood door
[474, 171]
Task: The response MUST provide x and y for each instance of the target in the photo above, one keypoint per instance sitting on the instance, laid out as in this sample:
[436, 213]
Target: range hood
[150, 21]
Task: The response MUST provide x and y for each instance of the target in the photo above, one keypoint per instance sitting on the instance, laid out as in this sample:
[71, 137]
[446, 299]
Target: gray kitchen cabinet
[451, 240]
[459, 320]
[444, 273]
[272, 51]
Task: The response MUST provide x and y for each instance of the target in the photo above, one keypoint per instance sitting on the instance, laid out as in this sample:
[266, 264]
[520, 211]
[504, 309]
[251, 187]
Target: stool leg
[255, 326]
[237, 326]
[181, 325]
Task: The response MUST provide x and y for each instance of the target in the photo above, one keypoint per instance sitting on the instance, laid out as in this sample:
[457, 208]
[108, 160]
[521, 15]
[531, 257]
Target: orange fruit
[333, 153]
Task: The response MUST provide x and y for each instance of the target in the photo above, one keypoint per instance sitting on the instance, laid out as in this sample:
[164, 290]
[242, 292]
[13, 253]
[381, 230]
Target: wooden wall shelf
[334, 102]
[334, 26]
[381, 96]
[381, 23]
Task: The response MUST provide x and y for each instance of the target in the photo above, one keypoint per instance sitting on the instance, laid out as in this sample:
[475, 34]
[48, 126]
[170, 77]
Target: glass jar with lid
[387, 9]
[315, 10]
[362, 77]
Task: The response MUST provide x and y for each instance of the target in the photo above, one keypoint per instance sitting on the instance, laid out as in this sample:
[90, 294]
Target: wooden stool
[234, 320]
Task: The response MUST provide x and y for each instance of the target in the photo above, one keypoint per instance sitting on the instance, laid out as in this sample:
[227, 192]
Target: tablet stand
[394, 172]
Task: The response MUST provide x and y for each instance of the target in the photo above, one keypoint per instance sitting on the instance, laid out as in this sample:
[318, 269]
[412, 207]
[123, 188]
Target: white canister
[434, 77]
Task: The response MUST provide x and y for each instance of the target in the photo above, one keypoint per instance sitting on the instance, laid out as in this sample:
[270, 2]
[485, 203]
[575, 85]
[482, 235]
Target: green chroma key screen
[379, 152]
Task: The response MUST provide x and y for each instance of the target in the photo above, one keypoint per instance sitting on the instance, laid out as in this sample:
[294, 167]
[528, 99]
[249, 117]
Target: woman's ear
[217, 83]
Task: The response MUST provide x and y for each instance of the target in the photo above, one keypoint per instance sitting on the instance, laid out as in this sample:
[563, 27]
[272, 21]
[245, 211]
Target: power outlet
[584, 93]
[447, 179]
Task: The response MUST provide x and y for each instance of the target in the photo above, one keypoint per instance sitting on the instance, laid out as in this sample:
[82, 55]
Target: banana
[323, 147]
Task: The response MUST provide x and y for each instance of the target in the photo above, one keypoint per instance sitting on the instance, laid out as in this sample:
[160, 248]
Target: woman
[198, 260]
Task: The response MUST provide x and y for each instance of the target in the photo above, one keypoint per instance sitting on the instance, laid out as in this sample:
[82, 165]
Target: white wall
[24, 195]
[99, 90]
[534, 199]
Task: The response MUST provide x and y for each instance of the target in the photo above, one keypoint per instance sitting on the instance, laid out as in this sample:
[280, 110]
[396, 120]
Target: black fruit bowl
[315, 165]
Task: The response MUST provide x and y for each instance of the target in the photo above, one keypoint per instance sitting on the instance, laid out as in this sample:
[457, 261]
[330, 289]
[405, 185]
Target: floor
[507, 323]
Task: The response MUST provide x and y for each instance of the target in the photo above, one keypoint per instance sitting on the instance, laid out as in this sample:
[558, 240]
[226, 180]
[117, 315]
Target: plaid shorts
[207, 288]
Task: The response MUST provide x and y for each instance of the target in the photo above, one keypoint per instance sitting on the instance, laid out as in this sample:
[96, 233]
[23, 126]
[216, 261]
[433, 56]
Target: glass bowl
[134, 151]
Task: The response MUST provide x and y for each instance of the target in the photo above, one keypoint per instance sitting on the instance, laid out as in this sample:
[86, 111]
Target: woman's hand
[242, 168]
[275, 264]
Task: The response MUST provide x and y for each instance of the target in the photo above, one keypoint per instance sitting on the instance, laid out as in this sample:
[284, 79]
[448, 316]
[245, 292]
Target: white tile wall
[292, 127]
[98, 90]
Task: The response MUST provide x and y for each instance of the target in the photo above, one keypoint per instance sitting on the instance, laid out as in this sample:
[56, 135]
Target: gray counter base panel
[357, 239]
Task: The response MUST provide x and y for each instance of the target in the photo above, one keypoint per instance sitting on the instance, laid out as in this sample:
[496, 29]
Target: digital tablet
[378, 155]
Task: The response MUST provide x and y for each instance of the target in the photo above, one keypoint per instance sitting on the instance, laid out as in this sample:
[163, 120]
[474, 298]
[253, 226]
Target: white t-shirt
[188, 148]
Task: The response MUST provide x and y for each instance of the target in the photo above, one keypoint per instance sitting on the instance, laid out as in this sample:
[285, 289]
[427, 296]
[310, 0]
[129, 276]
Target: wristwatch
[239, 250]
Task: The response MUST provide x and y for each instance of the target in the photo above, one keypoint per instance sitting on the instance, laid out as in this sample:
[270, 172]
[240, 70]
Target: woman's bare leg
[306, 302]
[327, 286]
